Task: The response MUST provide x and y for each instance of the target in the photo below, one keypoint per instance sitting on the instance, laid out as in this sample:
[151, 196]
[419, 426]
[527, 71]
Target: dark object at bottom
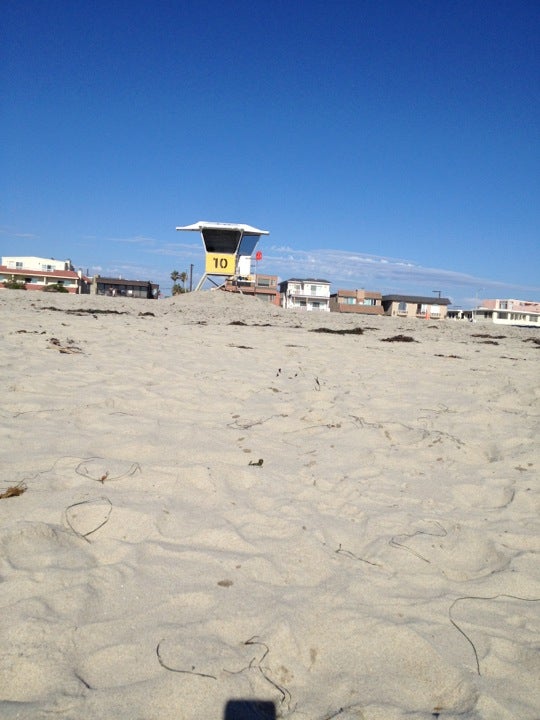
[250, 710]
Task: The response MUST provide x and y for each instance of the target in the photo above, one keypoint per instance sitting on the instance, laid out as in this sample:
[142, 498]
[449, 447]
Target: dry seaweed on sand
[13, 491]
[69, 349]
[179, 670]
[487, 335]
[82, 311]
[347, 331]
[488, 598]
[241, 323]
[98, 526]
[82, 469]
[399, 338]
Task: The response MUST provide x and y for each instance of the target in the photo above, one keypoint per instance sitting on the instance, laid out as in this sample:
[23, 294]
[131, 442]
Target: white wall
[36, 263]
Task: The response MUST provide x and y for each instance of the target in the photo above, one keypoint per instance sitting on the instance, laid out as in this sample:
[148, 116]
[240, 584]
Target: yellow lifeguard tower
[228, 248]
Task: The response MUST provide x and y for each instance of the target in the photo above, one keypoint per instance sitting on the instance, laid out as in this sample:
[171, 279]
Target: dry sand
[380, 564]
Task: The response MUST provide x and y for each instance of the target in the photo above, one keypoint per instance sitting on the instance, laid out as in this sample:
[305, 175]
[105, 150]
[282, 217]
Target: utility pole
[191, 277]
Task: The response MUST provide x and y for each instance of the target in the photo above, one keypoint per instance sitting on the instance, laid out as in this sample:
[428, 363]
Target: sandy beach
[222, 503]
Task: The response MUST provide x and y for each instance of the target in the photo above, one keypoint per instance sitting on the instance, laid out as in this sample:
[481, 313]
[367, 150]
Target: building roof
[204, 224]
[41, 260]
[416, 299]
[305, 280]
[368, 294]
[122, 281]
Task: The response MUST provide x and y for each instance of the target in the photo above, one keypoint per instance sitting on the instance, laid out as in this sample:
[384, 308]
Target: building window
[369, 301]
[350, 301]
[402, 307]
[27, 280]
[503, 305]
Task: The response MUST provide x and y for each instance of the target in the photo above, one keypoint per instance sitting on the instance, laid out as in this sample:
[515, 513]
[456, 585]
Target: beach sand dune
[222, 502]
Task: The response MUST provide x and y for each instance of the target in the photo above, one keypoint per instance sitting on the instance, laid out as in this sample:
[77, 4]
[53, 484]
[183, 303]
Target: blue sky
[392, 144]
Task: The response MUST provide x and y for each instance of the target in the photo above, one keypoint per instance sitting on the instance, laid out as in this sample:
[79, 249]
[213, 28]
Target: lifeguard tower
[228, 248]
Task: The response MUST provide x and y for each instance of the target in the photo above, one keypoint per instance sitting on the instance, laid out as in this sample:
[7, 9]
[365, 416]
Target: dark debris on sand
[399, 338]
[347, 331]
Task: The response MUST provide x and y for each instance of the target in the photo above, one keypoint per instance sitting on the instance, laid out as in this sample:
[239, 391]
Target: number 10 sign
[220, 263]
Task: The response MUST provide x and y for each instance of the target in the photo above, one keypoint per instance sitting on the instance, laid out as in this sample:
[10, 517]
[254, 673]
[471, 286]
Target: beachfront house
[37, 273]
[525, 313]
[305, 294]
[365, 302]
[415, 306]
[124, 288]
[262, 287]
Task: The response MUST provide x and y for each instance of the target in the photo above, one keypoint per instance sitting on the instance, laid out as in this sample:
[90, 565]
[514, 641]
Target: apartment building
[40, 273]
[365, 302]
[525, 313]
[305, 294]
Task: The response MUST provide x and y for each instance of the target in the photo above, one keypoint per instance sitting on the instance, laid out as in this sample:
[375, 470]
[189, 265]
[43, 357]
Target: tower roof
[204, 225]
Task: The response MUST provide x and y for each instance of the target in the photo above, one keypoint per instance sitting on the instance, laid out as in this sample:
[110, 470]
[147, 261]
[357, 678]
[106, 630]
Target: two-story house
[305, 294]
[39, 273]
[366, 302]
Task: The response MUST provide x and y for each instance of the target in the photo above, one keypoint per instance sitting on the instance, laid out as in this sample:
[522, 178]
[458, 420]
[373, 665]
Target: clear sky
[392, 145]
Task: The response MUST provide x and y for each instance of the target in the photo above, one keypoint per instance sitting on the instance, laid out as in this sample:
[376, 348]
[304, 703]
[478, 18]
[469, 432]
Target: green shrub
[57, 287]
[14, 285]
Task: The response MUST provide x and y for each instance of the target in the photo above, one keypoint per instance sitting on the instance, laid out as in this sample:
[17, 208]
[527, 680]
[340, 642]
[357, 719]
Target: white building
[36, 263]
[509, 312]
[305, 294]
[37, 273]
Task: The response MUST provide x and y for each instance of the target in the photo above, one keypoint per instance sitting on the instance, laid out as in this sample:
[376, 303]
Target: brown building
[262, 287]
[366, 302]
